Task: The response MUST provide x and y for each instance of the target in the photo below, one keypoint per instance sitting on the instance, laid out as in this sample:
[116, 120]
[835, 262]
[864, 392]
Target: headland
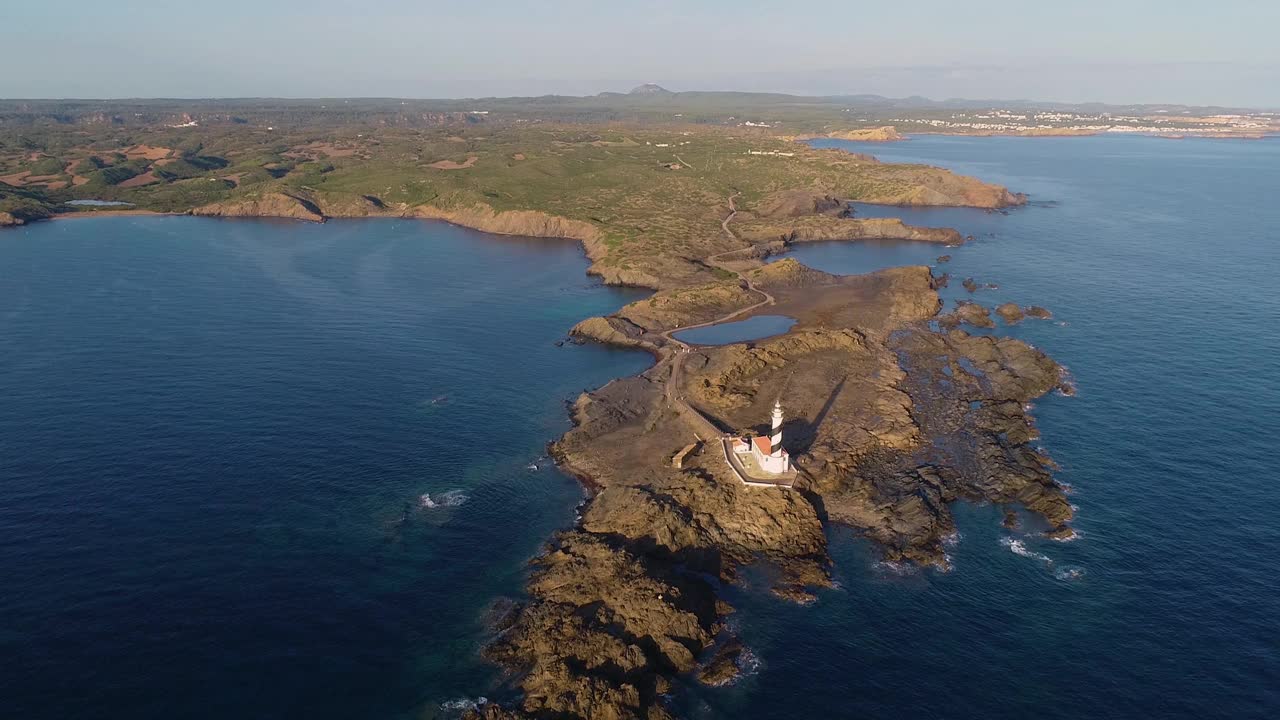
[893, 410]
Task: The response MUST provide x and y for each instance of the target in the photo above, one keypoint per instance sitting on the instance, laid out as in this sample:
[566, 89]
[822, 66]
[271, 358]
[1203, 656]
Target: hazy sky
[1201, 51]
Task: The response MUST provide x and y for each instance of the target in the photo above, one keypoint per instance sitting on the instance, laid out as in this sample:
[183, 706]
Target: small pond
[864, 256]
[754, 328]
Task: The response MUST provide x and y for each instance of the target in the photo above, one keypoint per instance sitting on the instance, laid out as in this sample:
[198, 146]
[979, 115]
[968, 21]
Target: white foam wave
[462, 705]
[894, 568]
[1017, 547]
[450, 498]
[1070, 572]
[748, 663]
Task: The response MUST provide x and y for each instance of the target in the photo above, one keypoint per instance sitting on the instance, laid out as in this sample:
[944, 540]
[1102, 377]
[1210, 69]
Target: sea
[273, 470]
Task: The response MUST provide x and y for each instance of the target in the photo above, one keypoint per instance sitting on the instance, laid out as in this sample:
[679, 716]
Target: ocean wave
[1070, 572]
[1017, 547]
[748, 664]
[895, 568]
[450, 498]
[1075, 535]
[455, 708]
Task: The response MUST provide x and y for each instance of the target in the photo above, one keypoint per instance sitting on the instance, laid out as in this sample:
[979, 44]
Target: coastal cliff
[873, 229]
[885, 133]
[272, 205]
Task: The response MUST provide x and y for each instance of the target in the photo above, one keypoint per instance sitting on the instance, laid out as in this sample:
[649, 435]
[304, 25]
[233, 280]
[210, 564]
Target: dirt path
[683, 348]
[714, 261]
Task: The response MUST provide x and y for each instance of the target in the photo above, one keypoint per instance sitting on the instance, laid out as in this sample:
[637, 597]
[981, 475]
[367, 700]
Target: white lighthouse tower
[761, 460]
[775, 437]
[767, 452]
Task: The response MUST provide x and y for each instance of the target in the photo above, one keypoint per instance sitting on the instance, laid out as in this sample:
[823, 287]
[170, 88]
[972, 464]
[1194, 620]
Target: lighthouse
[766, 452]
[775, 437]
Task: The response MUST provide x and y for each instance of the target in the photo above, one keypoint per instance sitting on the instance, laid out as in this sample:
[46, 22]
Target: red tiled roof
[763, 443]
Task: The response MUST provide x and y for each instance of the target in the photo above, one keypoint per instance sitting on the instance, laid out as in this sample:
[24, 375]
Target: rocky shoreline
[891, 421]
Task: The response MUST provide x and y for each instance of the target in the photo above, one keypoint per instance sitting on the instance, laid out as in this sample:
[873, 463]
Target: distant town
[1162, 123]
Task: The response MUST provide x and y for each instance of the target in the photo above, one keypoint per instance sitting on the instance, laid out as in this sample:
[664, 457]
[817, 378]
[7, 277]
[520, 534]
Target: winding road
[714, 261]
[683, 348]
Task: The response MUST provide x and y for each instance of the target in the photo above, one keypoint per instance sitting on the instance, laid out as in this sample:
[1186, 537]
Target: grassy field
[655, 193]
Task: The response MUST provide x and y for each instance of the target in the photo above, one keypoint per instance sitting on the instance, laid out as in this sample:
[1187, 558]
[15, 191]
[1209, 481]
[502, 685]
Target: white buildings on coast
[1004, 121]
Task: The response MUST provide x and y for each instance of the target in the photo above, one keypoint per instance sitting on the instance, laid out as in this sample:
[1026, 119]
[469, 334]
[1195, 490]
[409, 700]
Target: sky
[1121, 51]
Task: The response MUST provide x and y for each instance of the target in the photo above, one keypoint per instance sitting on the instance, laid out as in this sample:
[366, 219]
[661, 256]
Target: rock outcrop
[614, 331]
[875, 229]
[886, 133]
[529, 223]
[970, 313]
[272, 204]
[933, 186]
[1010, 313]
[688, 306]
[797, 203]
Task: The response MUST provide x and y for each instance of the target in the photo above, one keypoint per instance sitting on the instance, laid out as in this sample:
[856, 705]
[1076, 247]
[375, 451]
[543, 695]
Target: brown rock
[1010, 313]
[1062, 532]
[276, 204]
[973, 314]
[886, 133]
[1010, 520]
[797, 203]
[723, 667]
[873, 229]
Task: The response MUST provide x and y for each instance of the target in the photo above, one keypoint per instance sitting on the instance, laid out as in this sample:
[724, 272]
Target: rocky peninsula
[891, 421]
[895, 412]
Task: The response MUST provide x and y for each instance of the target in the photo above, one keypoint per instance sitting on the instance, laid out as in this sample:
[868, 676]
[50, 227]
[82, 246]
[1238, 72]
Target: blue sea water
[753, 328]
[1159, 261]
[216, 438]
[254, 469]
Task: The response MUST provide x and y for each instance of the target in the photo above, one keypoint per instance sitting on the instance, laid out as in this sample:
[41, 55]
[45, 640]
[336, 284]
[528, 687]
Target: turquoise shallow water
[216, 437]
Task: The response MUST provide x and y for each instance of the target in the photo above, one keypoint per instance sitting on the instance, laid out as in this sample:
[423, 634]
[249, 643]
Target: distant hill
[649, 89]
